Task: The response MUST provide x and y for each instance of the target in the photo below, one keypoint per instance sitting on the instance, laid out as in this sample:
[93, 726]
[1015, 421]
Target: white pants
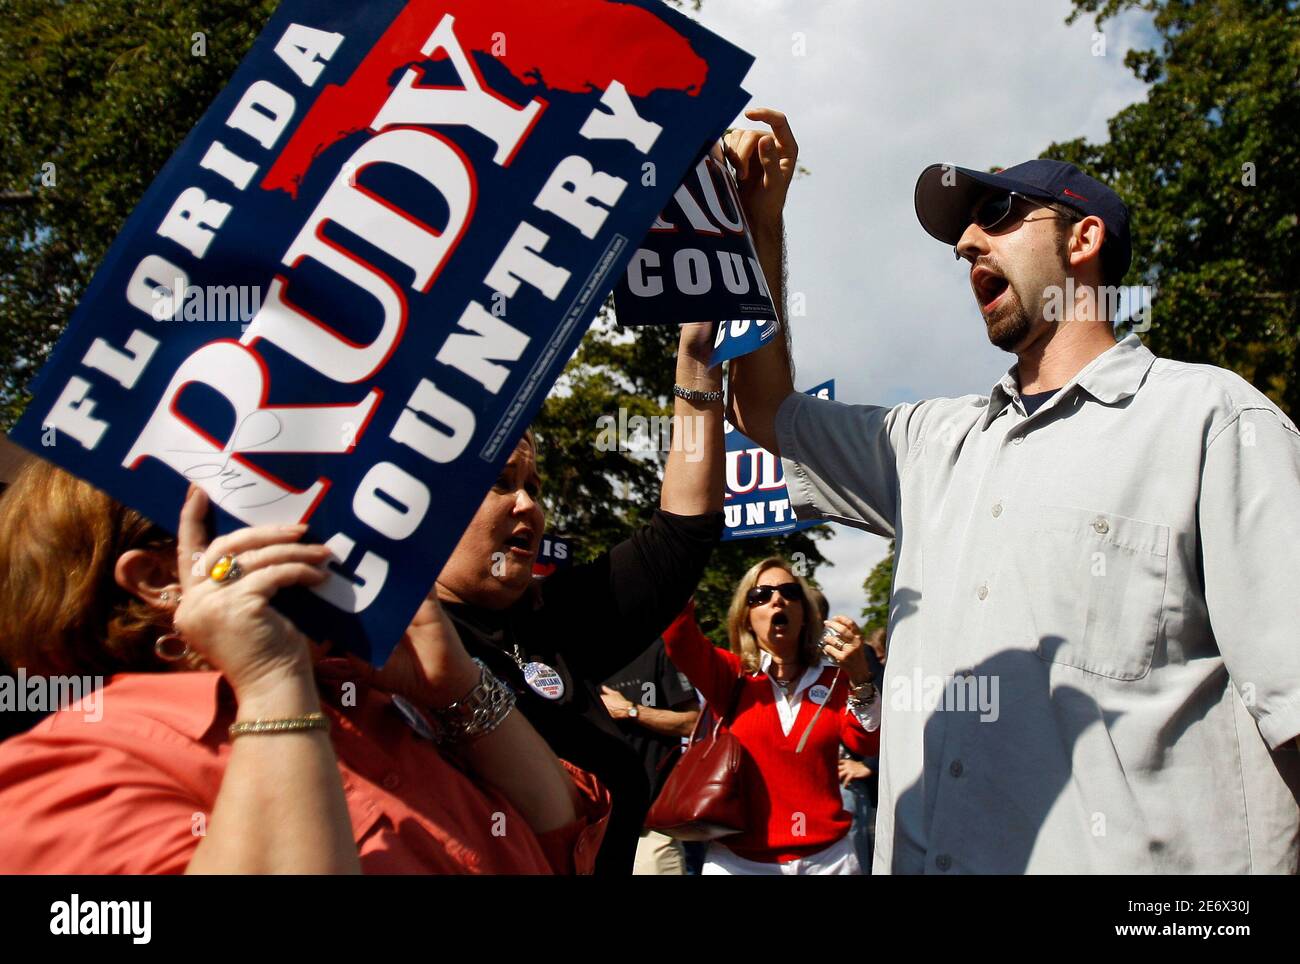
[838, 859]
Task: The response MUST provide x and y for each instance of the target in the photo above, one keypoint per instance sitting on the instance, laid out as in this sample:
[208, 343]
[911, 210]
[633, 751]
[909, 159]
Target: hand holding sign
[697, 340]
[698, 262]
[765, 165]
[231, 623]
[706, 254]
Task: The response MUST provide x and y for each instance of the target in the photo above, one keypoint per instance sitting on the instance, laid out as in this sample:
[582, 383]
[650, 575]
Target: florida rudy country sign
[428, 201]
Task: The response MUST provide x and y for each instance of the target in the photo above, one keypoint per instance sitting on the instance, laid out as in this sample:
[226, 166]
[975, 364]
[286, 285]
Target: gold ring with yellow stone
[225, 569]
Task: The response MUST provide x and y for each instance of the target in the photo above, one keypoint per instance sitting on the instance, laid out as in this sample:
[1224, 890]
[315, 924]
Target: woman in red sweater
[796, 704]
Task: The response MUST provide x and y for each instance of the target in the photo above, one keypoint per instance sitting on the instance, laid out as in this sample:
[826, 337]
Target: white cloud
[886, 88]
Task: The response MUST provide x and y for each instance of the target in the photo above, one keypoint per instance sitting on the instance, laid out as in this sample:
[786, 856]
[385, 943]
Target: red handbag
[702, 798]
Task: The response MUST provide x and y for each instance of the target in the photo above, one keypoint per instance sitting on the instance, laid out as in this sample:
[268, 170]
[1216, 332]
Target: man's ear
[1085, 245]
[147, 574]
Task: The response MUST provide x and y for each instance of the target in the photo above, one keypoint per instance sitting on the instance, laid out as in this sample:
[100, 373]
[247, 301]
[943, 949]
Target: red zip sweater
[793, 799]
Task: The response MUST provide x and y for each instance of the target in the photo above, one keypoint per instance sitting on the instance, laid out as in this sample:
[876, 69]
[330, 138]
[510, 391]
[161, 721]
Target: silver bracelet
[477, 713]
[695, 395]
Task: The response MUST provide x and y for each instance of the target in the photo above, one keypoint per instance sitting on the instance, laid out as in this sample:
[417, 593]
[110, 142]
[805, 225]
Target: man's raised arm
[765, 165]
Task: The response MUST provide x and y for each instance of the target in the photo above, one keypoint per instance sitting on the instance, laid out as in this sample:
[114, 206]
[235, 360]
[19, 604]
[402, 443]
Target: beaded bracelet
[293, 724]
[696, 395]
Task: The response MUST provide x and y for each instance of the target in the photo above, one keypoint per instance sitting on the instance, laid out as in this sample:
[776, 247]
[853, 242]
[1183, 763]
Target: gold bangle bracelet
[293, 724]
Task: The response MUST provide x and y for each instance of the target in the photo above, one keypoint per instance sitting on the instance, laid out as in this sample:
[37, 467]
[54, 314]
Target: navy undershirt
[1036, 401]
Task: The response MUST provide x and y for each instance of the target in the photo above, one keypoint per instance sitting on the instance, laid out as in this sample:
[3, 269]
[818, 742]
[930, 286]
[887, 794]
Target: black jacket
[587, 622]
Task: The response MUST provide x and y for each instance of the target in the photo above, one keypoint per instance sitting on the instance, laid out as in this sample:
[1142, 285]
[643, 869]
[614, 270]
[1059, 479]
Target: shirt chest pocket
[1094, 585]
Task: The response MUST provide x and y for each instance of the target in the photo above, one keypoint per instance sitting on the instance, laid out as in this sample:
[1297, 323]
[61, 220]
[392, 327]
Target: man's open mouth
[989, 287]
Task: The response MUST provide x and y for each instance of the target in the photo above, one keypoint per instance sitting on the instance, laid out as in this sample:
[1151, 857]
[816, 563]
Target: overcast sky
[881, 90]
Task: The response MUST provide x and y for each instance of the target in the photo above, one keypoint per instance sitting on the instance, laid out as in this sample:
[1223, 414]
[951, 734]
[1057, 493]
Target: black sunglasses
[789, 591]
[997, 208]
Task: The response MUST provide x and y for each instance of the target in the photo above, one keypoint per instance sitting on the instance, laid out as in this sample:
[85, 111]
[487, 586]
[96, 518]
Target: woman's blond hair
[740, 634]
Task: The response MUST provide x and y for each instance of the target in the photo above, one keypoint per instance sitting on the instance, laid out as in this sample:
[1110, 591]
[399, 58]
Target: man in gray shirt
[1095, 621]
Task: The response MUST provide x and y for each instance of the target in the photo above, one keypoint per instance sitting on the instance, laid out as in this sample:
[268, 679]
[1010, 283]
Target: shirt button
[955, 768]
[943, 861]
[1017, 440]
[997, 509]
[392, 781]
[1101, 525]
[982, 592]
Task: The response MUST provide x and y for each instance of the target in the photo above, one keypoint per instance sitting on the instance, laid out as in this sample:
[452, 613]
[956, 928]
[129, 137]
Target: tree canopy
[95, 96]
[1206, 164]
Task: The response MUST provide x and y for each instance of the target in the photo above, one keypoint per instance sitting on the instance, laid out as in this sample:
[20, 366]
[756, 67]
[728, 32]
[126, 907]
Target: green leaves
[1207, 167]
[878, 586]
[95, 96]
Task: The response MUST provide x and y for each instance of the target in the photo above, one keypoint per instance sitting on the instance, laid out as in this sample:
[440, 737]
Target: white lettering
[300, 47]
[621, 123]
[483, 110]
[521, 261]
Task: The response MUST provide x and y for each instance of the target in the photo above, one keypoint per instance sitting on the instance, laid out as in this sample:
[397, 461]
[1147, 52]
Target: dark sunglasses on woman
[789, 591]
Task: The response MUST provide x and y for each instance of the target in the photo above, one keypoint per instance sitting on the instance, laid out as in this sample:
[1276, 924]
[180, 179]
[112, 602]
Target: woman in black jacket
[556, 640]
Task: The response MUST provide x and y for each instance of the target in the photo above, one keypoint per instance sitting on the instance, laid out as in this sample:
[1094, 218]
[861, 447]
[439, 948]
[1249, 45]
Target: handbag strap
[803, 740]
[718, 720]
[734, 702]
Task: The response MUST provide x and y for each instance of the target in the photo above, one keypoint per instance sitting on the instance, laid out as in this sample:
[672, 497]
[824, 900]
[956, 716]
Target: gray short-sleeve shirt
[1094, 659]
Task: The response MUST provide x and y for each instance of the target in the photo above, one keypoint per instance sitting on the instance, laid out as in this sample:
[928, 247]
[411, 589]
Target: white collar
[787, 704]
[765, 660]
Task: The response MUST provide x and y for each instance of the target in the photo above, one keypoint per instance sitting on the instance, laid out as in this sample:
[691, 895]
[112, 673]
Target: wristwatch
[633, 712]
[864, 694]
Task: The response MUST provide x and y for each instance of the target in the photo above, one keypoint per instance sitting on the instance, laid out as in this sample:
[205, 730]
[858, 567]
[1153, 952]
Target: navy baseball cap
[946, 195]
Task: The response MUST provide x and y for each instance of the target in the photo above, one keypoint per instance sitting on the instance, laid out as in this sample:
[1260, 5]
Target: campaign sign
[736, 338]
[429, 201]
[698, 261]
[756, 502]
[554, 553]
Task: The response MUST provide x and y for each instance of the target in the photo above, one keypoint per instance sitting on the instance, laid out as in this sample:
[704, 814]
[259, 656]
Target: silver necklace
[785, 684]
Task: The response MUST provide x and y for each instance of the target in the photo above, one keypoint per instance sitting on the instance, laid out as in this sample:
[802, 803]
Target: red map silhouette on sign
[538, 37]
